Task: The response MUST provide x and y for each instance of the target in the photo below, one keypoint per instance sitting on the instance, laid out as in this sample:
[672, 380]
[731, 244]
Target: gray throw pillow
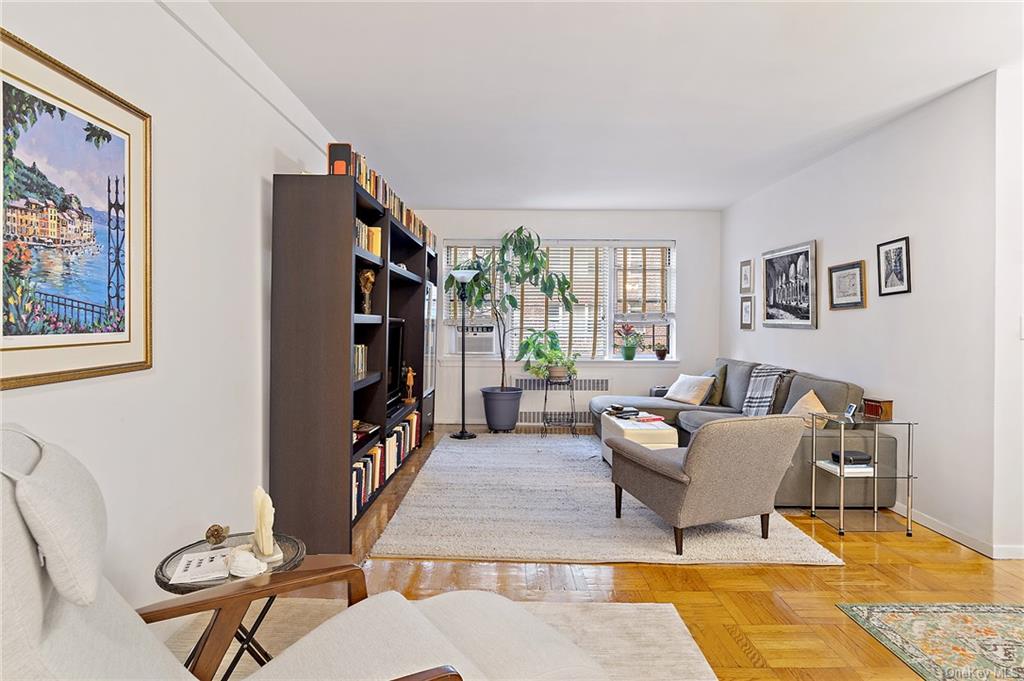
[714, 397]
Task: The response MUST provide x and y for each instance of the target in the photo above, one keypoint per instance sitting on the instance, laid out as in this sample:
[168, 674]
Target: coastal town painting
[75, 224]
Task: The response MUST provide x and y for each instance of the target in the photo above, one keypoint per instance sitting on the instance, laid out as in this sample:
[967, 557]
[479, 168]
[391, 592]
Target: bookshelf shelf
[315, 396]
[366, 380]
[404, 275]
[367, 257]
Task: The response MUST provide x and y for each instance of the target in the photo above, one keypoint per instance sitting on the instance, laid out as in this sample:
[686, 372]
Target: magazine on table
[201, 566]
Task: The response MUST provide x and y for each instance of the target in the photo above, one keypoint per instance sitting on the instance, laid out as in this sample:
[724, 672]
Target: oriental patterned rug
[942, 641]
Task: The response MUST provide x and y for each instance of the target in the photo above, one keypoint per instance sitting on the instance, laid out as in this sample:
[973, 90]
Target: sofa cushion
[655, 405]
[719, 372]
[835, 395]
[504, 641]
[62, 506]
[737, 378]
[690, 421]
[807, 405]
[782, 393]
[382, 637]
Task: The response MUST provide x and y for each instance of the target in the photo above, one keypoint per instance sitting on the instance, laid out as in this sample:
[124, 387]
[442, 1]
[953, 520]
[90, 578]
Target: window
[615, 283]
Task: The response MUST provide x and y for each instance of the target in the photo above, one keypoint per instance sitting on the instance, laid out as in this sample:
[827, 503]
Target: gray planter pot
[501, 407]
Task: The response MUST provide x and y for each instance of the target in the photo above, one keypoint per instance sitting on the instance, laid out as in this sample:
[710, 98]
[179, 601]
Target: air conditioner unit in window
[480, 339]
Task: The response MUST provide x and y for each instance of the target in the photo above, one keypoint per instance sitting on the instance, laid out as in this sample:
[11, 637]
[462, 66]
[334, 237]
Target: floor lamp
[463, 277]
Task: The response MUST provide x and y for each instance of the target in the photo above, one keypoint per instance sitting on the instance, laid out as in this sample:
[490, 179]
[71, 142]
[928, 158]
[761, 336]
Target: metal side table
[875, 471]
[557, 419]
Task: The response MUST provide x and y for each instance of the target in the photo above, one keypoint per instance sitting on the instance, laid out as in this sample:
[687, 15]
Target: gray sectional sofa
[795, 490]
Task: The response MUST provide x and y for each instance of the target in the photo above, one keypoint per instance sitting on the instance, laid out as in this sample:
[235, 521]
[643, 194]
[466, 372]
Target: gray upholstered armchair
[732, 469]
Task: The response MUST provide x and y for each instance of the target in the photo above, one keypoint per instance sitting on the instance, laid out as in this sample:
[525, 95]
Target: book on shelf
[368, 238]
[645, 417]
[359, 356]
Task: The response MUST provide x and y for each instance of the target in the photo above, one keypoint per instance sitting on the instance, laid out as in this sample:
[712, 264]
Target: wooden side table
[294, 551]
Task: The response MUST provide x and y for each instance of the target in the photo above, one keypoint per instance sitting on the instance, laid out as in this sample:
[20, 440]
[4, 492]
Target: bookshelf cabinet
[317, 320]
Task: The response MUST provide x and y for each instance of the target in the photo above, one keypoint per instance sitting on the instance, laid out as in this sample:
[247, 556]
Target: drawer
[427, 414]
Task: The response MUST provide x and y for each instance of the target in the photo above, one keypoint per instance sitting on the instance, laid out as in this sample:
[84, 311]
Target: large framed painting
[894, 267]
[76, 200]
[789, 296]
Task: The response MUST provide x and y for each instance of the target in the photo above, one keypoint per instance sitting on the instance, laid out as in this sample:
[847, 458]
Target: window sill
[647, 362]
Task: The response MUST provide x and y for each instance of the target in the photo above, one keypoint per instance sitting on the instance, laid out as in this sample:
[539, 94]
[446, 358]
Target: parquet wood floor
[752, 622]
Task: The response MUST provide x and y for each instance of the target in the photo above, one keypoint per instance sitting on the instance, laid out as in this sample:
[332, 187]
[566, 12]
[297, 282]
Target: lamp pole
[463, 277]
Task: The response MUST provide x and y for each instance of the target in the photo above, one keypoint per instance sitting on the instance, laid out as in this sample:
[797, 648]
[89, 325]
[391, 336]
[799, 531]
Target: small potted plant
[660, 351]
[545, 358]
[632, 340]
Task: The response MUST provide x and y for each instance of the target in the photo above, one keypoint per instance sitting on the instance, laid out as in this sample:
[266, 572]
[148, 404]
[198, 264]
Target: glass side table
[875, 471]
[294, 551]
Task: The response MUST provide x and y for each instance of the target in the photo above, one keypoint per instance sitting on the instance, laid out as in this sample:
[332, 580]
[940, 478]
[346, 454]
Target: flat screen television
[396, 337]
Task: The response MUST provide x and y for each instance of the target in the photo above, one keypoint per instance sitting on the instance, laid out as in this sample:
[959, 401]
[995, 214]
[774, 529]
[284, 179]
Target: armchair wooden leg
[764, 525]
[618, 501]
[679, 540]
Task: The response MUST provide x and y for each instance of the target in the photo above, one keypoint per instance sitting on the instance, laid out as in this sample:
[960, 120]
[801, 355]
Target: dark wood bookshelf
[316, 318]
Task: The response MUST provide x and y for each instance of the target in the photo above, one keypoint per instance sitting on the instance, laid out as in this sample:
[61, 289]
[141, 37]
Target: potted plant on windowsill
[660, 351]
[519, 261]
[632, 340]
[545, 357]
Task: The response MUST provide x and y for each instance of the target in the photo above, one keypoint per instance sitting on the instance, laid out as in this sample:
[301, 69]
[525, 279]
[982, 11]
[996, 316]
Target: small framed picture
[851, 409]
[894, 267]
[846, 290]
[747, 276]
[747, 313]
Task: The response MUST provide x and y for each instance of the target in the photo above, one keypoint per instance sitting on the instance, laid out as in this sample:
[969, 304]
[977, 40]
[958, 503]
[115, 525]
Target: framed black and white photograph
[747, 313]
[846, 290]
[789, 299]
[747, 276]
[894, 267]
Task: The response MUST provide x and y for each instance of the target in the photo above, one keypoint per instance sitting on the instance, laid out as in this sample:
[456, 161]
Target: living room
[768, 244]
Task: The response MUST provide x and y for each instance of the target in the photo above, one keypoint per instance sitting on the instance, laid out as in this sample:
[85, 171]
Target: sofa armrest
[658, 391]
[667, 462]
[445, 673]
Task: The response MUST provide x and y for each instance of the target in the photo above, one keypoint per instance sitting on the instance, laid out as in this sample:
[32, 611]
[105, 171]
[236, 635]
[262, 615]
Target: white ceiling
[624, 105]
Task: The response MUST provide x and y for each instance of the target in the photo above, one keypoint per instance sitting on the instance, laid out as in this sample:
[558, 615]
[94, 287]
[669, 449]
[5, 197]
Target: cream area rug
[533, 498]
[630, 640]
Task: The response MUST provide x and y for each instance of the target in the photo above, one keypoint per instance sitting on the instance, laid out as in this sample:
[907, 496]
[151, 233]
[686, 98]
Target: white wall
[182, 445]
[930, 175]
[696, 234]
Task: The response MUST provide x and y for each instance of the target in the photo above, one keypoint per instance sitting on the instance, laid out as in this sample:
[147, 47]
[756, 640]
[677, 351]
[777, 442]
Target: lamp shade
[464, 276]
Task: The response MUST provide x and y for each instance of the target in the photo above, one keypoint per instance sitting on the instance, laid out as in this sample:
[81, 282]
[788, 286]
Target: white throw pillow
[807, 405]
[690, 389]
[63, 508]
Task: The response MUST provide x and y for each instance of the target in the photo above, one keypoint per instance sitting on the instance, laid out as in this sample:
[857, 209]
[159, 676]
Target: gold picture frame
[49, 334]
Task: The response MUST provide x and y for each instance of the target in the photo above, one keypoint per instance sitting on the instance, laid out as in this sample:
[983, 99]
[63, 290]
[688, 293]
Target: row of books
[359, 355]
[368, 237]
[379, 188]
[382, 460]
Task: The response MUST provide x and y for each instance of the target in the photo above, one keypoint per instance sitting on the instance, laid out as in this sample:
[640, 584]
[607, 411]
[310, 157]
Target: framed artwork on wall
[846, 289]
[894, 267]
[789, 297]
[747, 276]
[76, 270]
[747, 313]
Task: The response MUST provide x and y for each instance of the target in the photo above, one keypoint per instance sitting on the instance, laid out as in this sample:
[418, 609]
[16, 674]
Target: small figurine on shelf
[263, 544]
[410, 376]
[366, 280]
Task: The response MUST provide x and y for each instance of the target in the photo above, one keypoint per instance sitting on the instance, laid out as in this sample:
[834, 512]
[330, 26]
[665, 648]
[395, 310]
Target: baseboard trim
[995, 551]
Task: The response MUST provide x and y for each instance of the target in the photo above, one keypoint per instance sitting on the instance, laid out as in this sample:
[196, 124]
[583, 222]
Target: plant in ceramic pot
[630, 339]
[517, 262]
[545, 358]
[660, 351]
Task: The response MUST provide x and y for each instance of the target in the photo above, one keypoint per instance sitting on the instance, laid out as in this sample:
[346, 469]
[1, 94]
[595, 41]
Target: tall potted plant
[517, 262]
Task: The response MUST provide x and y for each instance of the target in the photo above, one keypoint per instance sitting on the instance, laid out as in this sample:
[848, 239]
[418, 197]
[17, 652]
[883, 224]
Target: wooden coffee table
[651, 434]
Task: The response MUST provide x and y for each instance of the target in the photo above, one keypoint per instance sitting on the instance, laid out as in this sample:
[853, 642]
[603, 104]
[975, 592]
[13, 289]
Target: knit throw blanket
[764, 381]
